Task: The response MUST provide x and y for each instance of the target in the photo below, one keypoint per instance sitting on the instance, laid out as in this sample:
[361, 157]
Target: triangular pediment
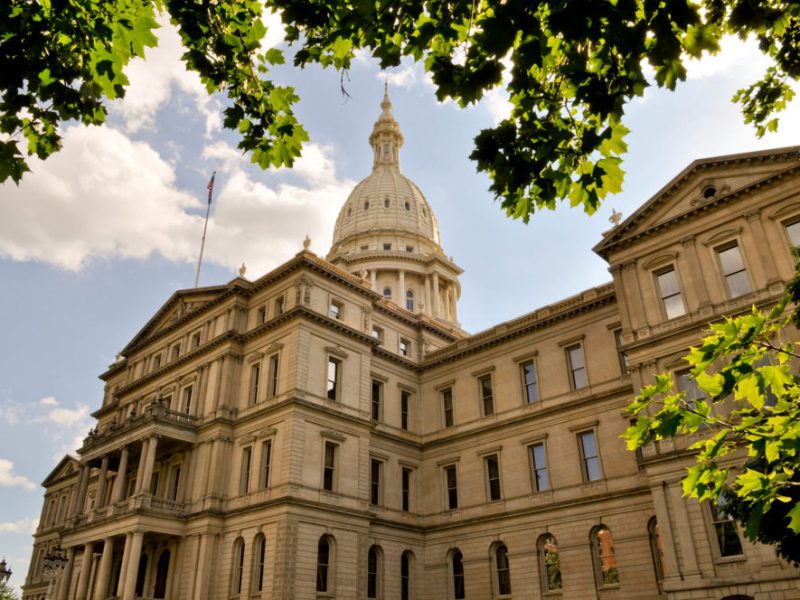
[66, 467]
[699, 186]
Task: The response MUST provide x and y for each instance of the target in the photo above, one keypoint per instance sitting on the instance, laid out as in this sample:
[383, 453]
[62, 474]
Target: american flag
[211, 187]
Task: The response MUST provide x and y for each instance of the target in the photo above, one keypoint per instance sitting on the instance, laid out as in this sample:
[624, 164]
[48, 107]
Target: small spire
[615, 217]
[386, 138]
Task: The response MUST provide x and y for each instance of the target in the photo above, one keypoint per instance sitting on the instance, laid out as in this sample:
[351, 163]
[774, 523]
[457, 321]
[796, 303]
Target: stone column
[633, 296]
[150, 462]
[83, 485]
[435, 294]
[123, 574]
[99, 501]
[684, 531]
[66, 575]
[694, 277]
[104, 571]
[374, 276]
[428, 295]
[455, 303]
[122, 477]
[661, 504]
[401, 288]
[132, 569]
[765, 265]
[86, 569]
[142, 462]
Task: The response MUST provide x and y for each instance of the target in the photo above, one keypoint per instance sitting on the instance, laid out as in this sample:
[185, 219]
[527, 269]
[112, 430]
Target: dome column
[374, 276]
[435, 295]
[428, 295]
[401, 288]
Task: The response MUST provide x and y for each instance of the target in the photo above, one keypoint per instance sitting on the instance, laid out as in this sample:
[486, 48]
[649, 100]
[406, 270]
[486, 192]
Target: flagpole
[205, 228]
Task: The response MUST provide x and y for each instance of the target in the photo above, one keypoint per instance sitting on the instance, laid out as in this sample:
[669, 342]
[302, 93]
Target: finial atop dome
[386, 138]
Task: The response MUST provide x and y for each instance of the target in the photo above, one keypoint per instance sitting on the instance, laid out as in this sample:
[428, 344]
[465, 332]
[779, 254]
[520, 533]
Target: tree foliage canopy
[570, 68]
[752, 408]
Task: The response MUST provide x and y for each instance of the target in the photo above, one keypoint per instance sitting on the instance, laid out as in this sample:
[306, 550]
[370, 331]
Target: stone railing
[155, 411]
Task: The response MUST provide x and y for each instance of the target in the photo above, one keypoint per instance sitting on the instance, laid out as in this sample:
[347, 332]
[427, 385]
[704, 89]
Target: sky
[97, 237]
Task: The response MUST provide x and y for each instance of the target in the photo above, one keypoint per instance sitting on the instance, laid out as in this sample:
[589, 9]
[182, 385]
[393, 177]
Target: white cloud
[497, 103]
[735, 54]
[19, 526]
[66, 418]
[48, 401]
[10, 479]
[404, 78]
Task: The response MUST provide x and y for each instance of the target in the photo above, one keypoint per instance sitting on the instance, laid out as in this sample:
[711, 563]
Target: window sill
[727, 560]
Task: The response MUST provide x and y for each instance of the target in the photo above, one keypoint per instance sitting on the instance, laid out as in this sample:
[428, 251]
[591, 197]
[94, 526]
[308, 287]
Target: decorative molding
[660, 260]
[254, 357]
[722, 236]
[330, 434]
[336, 351]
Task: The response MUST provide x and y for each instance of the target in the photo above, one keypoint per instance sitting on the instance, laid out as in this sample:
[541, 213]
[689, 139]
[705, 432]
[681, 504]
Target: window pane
[529, 381]
[503, 574]
[673, 306]
[738, 284]
[607, 562]
[668, 283]
[458, 577]
[552, 564]
[794, 233]
[493, 475]
[486, 395]
[591, 461]
[323, 552]
[731, 260]
[541, 480]
[333, 378]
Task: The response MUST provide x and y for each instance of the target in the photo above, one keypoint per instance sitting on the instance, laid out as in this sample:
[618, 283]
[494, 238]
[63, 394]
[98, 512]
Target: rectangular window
[406, 496]
[335, 310]
[175, 481]
[409, 248]
[793, 231]
[530, 382]
[176, 351]
[329, 466]
[261, 315]
[377, 332]
[405, 347]
[621, 356]
[156, 362]
[405, 398]
[255, 375]
[577, 367]
[375, 467]
[670, 292]
[688, 385]
[280, 303]
[447, 406]
[387, 247]
[487, 397]
[334, 366]
[272, 376]
[451, 485]
[541, 480]
[493, 476]
[728, 541]
[244, 481]
[186, 401]
[377, 395]
[195, 342]
[733, 269]
[590, 458]
[266, 460]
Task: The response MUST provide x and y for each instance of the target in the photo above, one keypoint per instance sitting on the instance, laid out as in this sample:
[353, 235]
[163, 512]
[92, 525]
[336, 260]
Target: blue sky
[96, 238]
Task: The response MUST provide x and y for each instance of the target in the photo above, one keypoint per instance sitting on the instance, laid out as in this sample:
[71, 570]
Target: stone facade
[307, 435]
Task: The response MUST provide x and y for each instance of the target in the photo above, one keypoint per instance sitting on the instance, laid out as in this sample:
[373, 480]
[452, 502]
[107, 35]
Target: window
[259, 560]
[329, 466]
[728, 542]
[387, 293]
[409, 297]
[324, 563]
[255, 375]
[244, 481]
[261, 315]
[176, 351]
[502, 571]
[373, 573]
[174, 482]
[386, 203]
[156, 362]
[688, 385]
[734, 271]
[589, 457]
[186, 401]
[487, 397]
[793, 231]
[406, 494]
[364, 248]
[541, 480]
[405, 575]
[238, 566]
[335, 310]
[280, 303]
[366, 205]
[577, 367]
[266, 460]
[451, 485]
[405, 347]
[656, 551]
[377, 332]
[529, 382]
[405, 398]
[549, 564]
[195, 341]
[409, 248]
[377, 396]
[603, 559]
[387, 247]
[408, 206]
[272, 376]
[334, 366]
[447, 406]
[492, 467]
[457, 568]
[670, 292]
[375, 468]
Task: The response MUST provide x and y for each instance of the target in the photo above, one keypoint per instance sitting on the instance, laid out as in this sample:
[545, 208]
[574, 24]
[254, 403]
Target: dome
[386, 201]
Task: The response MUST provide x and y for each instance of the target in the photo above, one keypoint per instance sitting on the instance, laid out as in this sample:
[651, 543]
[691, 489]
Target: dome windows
[387, 293]
[366, 205]
[410, 300]
[349, 210]
[408, 205]
[387, 247]
[386, 202]
[709, 191]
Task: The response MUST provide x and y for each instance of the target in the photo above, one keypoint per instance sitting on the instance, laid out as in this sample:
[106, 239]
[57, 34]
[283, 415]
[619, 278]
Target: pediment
[66, 467]
[700, 185]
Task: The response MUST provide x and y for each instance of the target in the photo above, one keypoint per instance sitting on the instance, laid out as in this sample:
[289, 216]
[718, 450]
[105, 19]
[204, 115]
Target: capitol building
[328, 431]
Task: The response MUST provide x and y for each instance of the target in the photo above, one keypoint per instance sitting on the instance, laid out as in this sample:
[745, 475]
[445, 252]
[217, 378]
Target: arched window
[656, 550]
[387, 293]
[259, 559]
[605, 563]
[410, 300]
[549, 563]
[374, 573]
[502, 572]
[162, 571]
[457, 575]
[324, 563]
[406, 560]
[238, 566]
